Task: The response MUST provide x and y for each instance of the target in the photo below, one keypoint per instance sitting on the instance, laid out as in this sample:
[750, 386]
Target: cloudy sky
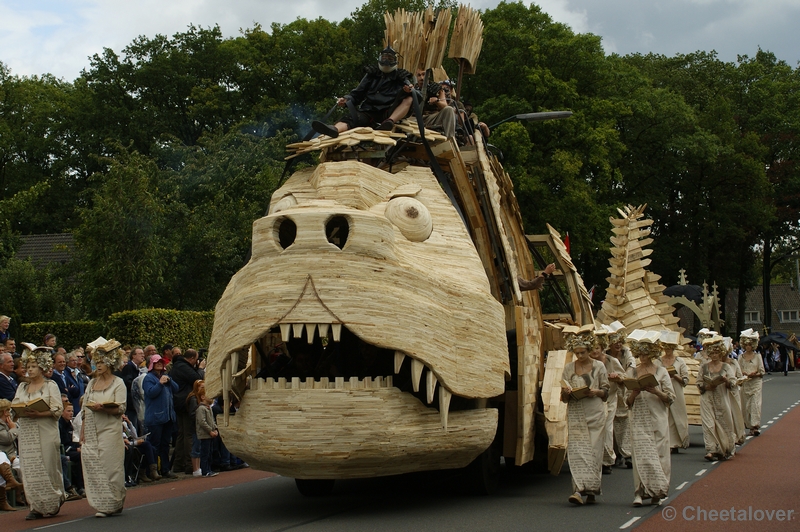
[57, 36]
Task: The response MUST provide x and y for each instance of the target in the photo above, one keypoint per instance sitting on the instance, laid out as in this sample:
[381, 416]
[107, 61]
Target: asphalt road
[432, 501]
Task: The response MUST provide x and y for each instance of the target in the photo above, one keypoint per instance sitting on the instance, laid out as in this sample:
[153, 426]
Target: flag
[566, 242]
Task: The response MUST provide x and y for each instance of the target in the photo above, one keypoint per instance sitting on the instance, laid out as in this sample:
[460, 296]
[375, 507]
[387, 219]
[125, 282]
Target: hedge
[186, 328]
[69, 334]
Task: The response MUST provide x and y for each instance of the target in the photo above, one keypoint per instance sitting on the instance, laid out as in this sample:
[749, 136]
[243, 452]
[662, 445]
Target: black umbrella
[778, 338]
[692, 292]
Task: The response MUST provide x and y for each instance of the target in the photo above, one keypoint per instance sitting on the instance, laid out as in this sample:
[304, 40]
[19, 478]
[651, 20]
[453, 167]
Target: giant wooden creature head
[393, 338]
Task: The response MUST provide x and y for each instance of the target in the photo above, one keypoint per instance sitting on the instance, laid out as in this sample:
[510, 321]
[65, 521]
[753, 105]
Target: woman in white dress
[649, 423]
[615, 375]
[734, 391]
[103, 449]
[679, 375]
[753, 369]
[39, 442]
[586, 416]
[713, 381]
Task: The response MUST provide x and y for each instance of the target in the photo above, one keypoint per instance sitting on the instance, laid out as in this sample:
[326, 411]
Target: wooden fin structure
[420, 38]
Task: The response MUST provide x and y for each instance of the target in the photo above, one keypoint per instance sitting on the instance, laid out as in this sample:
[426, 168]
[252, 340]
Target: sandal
[710, 457]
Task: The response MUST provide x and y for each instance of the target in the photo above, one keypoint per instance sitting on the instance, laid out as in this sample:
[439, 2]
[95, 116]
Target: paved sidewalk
[757, 490]
[141, 495]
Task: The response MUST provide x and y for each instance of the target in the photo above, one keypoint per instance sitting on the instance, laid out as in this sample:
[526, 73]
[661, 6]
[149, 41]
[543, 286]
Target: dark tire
[484, 472]
[314, 487]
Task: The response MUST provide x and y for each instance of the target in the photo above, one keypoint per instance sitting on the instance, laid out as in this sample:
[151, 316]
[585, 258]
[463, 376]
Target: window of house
[788, 316]
[752, 316]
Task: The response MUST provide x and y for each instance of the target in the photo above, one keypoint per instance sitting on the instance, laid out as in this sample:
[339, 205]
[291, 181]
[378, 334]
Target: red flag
[566, 241]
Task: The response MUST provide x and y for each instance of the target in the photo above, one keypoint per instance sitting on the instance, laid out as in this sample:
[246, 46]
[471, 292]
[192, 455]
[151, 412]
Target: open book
[714, 381]
[40, 405]
[641, 383]
[110, 405]
[574, 329]
[577, 393]
[672, 371]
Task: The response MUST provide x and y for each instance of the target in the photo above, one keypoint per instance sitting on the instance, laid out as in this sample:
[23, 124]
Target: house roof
[47, 249]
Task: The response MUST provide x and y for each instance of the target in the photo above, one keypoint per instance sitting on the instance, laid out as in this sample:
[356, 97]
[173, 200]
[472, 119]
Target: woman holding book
[679, 375]
[753, 370]
[650, 393]
[734, 392]
[39, 441]
[102, 445]
[584, 387]
[615, 396]
[622, 434]
[713, 381]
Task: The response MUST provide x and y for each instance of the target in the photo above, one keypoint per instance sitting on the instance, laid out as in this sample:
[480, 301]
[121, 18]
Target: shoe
[709, 457]
[324, 129]
[4, 506]
[756, 432]
[73, 495]
[101, 514]
[11, 482]
[606, 469]
[82, 493]
[637, 501]
[169, 474]
[674, 450]
[152, 472]
[590, 499]
[655, 501]
[223, 468]
[386, 125]
[211, 474]
[144, 478]
[628, 463]
[576, 498]
[198, 473]
[128, 484]
[33, 515]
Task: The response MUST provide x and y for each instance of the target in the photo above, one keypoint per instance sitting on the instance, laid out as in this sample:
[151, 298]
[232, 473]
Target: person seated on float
[476, 123]
[382, 98]
[436, 113]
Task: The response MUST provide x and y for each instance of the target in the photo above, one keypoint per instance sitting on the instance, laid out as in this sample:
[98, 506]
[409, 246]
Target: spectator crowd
[135, 414]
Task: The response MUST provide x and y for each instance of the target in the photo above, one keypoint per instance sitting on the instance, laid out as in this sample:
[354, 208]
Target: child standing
[206, 432]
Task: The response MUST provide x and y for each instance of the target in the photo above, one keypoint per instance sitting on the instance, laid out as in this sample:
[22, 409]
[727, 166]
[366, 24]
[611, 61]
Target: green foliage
[31, 294]
[160, 326]
[160, 156]
[121, 251]
[69, 334]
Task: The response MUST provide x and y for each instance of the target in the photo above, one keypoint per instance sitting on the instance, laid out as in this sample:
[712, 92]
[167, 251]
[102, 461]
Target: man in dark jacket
[382, 98]
[130, 371]
[184, 373]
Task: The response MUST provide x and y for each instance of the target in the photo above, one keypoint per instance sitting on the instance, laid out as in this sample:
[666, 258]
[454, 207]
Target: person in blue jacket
[159, 410]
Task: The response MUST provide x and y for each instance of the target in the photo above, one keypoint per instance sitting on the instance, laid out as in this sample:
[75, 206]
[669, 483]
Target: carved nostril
[287, 232]
[337, 229]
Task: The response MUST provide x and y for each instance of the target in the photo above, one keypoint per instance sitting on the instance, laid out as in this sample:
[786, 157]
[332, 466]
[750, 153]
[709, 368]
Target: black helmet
[388, 59]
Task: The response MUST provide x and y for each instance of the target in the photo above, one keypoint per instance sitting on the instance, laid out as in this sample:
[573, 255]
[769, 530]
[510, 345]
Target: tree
[121, 249]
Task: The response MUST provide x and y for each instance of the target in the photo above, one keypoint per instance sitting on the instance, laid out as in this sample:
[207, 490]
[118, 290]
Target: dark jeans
[183, 446]
[205, 455]
[159, 438]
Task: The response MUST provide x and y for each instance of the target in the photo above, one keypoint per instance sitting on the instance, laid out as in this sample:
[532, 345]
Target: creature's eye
[285, 232]
[286, 202]
[411, 217]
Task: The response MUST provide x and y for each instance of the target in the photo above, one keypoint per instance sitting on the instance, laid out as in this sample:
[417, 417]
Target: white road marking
[681, 486]
[629, 523]
[700, 473]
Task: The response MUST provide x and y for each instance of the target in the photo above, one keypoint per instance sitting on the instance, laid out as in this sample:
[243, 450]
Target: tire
[314, 487]
[484, 472]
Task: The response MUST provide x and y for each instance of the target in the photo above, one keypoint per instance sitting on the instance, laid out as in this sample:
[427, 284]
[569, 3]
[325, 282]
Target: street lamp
[536, 117]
